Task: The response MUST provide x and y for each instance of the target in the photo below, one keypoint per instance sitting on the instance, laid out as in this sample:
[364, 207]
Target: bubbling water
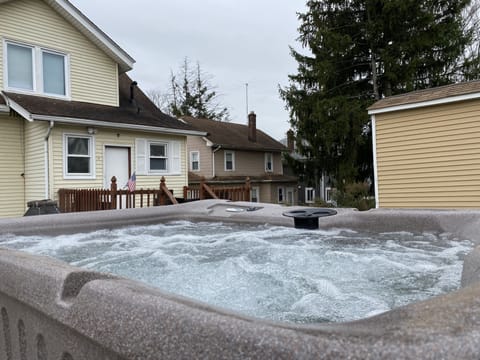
[274, 273]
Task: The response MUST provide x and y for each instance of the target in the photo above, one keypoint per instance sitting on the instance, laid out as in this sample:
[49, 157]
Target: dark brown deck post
[113, 193]
[202, 188]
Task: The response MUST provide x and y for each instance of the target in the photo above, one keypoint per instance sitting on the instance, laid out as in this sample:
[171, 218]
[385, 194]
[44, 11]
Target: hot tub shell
[51, 310]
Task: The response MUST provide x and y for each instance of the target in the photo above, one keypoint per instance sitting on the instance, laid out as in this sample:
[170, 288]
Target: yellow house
[70, 117]
[427, 148]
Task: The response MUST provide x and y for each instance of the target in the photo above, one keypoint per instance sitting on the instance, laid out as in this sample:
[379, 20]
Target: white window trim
[37, 67]
[91, 148]
[225, 160]
[191, 160]
[174, 157]
[307, 201]
[167, 156]
[266, 162]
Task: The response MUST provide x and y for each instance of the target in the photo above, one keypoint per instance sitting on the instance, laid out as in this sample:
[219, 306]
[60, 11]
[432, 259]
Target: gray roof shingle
[141, 112]
[234, 136]
[437, 93]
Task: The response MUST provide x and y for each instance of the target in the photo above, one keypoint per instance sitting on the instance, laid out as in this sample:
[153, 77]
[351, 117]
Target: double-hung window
[36, 70]
[78, 157]
[268, 162]
[309, 195]
[194, 161]
[158, 157]
[229, 160]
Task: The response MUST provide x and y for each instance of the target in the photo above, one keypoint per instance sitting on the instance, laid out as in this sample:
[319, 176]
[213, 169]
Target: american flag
[132, 183]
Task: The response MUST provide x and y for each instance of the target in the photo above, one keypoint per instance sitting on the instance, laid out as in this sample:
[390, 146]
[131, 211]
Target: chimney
[252, 127]
[291, 141]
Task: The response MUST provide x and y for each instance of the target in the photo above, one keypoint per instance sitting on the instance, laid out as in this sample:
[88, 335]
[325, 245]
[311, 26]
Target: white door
[116, 164]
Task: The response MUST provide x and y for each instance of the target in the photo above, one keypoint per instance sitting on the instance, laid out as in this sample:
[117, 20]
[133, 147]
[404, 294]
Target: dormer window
[36, 70]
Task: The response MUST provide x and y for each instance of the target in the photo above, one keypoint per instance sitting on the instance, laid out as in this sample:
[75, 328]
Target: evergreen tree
[360, 51]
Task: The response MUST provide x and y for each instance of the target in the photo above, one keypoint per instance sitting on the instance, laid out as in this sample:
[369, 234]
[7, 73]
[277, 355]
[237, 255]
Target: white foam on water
[276, 273]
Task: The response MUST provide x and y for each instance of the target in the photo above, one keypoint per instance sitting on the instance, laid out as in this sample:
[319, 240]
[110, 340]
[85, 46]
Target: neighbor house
[310, 191]
[231, 152]
[69, 115]
[427, 148]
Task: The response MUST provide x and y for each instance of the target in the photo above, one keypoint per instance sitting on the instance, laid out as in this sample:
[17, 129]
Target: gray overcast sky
[236, 42]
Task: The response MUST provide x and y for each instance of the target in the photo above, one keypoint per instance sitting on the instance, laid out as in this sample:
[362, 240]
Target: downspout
[47, 160]
[213, 159]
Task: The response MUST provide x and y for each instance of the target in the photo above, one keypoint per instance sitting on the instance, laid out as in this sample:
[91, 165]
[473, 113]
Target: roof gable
[85, 26]
[234, 136]
[428, 97]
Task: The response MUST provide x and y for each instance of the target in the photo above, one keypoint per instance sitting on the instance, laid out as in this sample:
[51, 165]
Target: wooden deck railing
[76, 200]
[205, 191]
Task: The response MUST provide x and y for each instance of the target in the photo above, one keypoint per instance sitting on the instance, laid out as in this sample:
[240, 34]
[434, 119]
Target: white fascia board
[19, 110]
[89, 122]
[208, 142]
[425, 103]
[375, 164]
[93, 32]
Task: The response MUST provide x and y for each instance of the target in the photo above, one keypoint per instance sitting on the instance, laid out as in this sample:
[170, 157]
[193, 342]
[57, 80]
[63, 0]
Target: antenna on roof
[246, 96]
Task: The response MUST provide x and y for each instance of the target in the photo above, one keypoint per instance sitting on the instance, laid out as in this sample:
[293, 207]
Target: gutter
[75, 121]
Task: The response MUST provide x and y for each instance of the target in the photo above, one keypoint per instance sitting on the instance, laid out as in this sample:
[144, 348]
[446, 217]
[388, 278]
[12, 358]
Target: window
[281, 194]
[34, 69]
[20, 67]
[158, 157]
[53, 73]
[78, 157]
[229, 161]
[309, 195]
[329, 195]
[194, 161]
[268, 162]
[155, 157]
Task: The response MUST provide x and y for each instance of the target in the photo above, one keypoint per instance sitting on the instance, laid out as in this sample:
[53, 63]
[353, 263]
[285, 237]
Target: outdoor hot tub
[52, 310]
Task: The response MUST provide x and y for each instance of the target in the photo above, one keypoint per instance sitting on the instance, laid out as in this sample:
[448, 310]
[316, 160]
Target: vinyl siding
[108, 137]
[429, 157]
[247, 163]
[93, 75]
[12, 197]
[35, 160]
[197, 143]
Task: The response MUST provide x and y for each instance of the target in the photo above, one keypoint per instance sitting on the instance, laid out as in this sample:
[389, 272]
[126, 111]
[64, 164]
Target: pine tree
[360, 51]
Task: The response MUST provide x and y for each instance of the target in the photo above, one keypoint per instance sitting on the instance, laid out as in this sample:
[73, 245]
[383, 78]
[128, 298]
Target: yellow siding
[35, 160]
[429, 157]
[12, 197]
[108, 137]
[93, 74]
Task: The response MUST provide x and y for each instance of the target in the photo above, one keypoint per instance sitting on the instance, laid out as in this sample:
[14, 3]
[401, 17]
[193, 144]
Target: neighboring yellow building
[427, 148]
[70, 117]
